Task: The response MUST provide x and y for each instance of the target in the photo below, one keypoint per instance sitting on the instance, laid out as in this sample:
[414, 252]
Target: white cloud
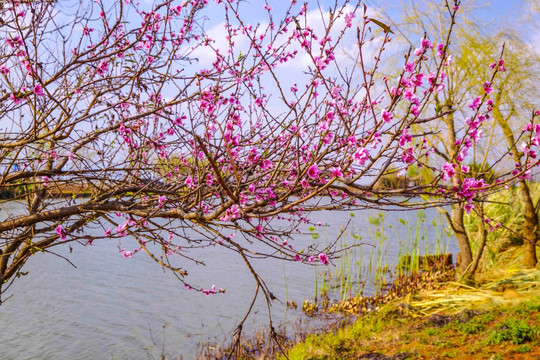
[293, 71]
[316, 19]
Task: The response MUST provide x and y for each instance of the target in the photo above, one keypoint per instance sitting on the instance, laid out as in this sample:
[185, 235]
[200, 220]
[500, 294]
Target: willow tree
[514, 95]
[510, 98]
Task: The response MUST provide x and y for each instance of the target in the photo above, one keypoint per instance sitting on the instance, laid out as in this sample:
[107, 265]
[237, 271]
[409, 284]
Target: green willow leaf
[382, 25]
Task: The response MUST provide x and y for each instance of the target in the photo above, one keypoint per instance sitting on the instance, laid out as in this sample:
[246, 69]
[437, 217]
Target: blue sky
[512, 13]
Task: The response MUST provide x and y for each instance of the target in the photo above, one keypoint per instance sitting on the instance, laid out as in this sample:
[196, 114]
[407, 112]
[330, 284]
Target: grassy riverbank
[508, 332]
[498, 319]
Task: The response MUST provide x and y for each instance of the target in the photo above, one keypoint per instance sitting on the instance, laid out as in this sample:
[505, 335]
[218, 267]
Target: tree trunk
[463, 242]
[456, 219]
[482, 243]
[529, 229]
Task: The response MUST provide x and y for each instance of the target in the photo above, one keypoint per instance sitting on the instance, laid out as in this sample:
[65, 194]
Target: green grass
[515, 330]
[501, 207]
[476, 325]
[499, 331]
[525, 348]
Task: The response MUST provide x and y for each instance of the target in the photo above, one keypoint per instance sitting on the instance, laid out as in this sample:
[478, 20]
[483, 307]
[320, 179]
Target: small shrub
[451, 353]
[339, 345]
[432, 331]
[517, 331]
[468, 323]
[471, 327]
[496, 337]
[486, 318]
[525, 348]
[532, 305]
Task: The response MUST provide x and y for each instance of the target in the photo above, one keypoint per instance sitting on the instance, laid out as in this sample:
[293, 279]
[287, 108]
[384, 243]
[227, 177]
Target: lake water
[110, 307]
